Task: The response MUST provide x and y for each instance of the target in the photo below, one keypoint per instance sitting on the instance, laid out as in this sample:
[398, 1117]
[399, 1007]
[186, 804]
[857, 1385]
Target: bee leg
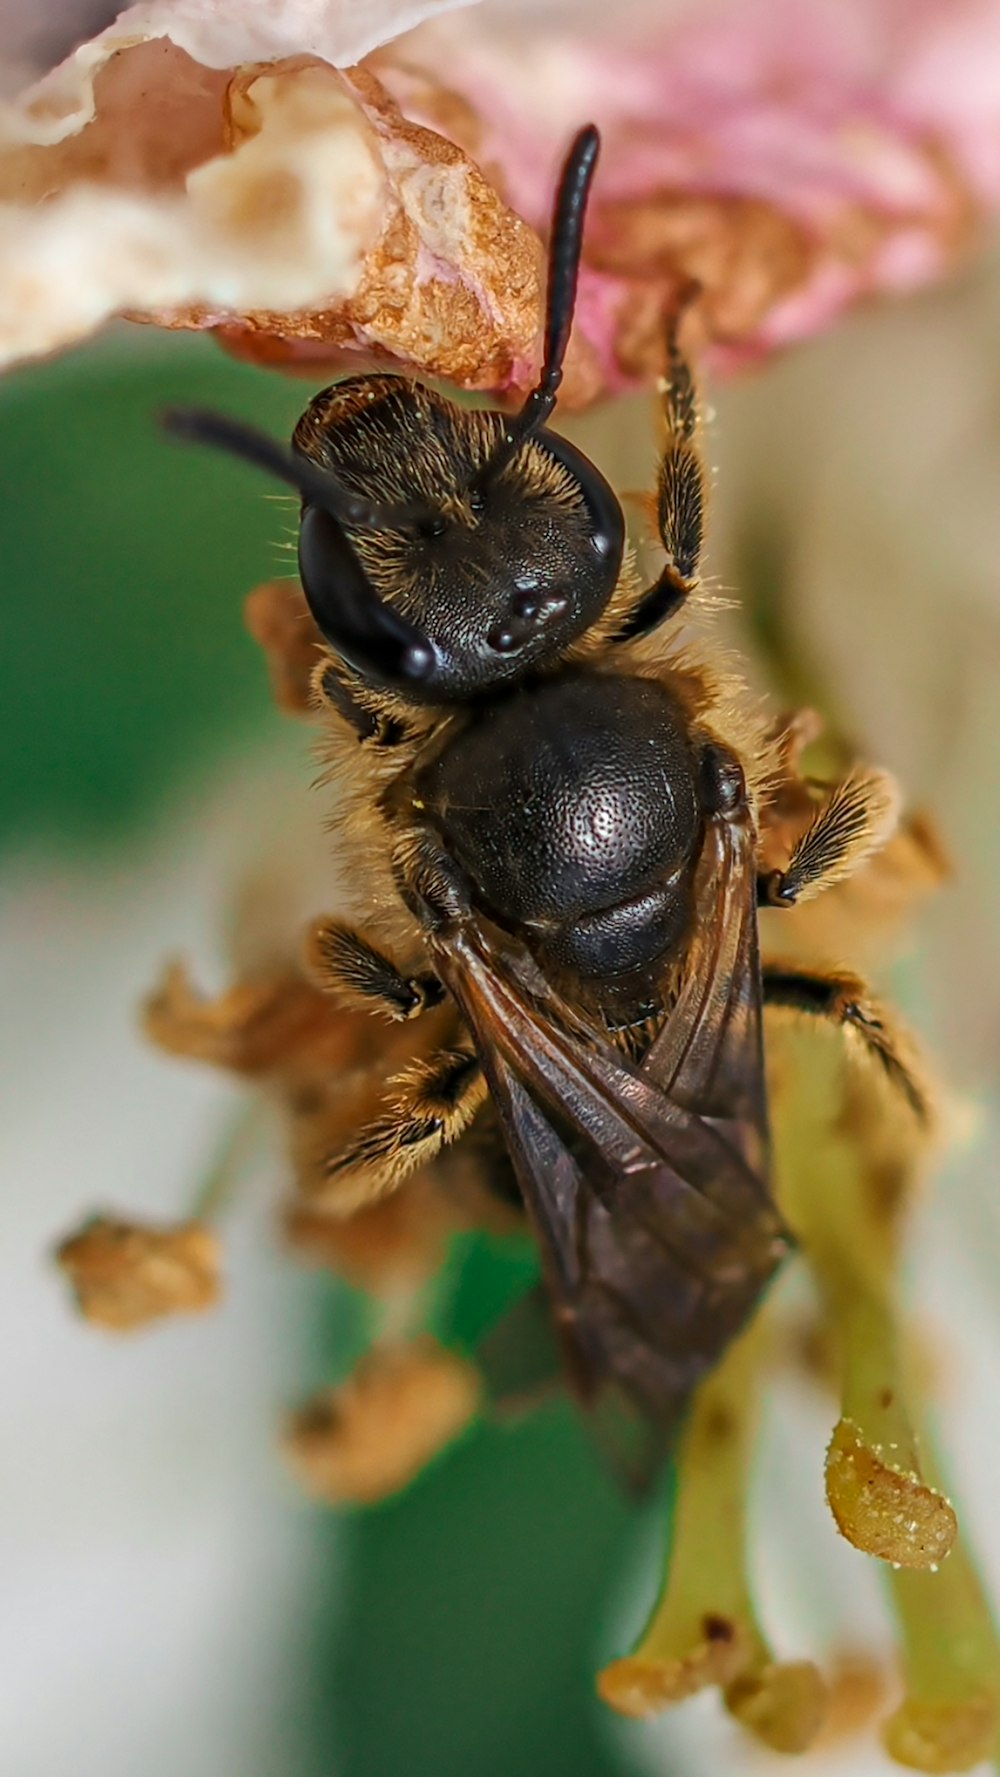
[845, 1000]
[375, 727]
[429, 1106]
[680, 494]
[857, 819]
[303, 676]
[344, 964]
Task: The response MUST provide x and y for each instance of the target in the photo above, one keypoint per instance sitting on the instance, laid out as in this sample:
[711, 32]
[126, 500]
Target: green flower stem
[949, 1719]
[846, 1164]
[704, 1629]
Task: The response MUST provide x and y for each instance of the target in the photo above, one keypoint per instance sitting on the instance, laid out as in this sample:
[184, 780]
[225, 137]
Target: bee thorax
[572, 807]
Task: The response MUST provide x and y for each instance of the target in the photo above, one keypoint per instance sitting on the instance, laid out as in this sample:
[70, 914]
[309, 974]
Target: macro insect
[554, 805]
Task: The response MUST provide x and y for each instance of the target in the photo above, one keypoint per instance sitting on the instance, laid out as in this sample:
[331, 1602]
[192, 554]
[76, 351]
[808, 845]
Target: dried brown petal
[391, 1247]
[868, 915]
[289, 202]
[148, 226]
[372, 1436]
[125, 1274]
[279, 620]
[266, 1027]
[213, 166]
[451, 282]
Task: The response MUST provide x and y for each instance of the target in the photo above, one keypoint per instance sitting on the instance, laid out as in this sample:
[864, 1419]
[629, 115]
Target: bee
[553, 809]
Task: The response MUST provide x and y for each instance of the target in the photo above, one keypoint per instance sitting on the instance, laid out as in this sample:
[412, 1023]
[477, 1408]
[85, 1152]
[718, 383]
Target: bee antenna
[199, 425]
[566, 244]
[364, 630]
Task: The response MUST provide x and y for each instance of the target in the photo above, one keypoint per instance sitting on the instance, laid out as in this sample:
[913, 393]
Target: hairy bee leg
[680, 494]
[846, 1000]
[857, 819]
[344, 964]
[373, 726]
[429, 1106]
[304, 678]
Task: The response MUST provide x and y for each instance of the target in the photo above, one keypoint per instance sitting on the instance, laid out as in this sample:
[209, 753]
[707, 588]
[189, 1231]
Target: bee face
[445, 553]
[498, 574]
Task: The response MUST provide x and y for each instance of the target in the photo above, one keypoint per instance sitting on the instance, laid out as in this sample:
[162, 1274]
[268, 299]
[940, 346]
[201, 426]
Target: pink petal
[792, 156]
[795, 156]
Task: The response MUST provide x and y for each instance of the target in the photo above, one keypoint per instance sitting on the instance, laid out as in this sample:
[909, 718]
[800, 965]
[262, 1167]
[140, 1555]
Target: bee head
[495, 571]
[443, 551]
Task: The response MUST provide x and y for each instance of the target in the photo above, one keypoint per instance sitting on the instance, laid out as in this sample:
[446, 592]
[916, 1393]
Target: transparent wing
[647, 1185]
[710, 1053]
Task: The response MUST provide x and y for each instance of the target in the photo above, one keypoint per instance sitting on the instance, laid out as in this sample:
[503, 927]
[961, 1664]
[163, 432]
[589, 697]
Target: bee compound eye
[364, 631]
[606, 529]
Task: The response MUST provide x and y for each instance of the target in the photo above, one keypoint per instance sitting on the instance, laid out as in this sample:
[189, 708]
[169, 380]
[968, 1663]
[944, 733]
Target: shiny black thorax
[571, 806]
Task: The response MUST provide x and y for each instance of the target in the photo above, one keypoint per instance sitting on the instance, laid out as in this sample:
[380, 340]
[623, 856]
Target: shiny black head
[445, 552]
[497, 573]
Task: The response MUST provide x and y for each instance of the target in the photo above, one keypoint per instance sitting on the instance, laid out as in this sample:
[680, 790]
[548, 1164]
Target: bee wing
[709, 1055]
[656, 1225]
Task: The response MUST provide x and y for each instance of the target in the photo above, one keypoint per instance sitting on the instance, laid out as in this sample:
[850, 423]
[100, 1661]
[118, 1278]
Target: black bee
[553, 813]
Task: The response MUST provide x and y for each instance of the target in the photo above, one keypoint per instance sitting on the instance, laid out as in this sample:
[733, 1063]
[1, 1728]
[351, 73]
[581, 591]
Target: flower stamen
[704, 1630]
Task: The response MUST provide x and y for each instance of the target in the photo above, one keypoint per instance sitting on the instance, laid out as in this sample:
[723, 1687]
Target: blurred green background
[123, 662]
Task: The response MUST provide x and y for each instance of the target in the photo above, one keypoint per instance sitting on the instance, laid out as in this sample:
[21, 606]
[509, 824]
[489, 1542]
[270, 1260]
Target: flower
[319, 189]
[852, 1140]
[885, 201]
